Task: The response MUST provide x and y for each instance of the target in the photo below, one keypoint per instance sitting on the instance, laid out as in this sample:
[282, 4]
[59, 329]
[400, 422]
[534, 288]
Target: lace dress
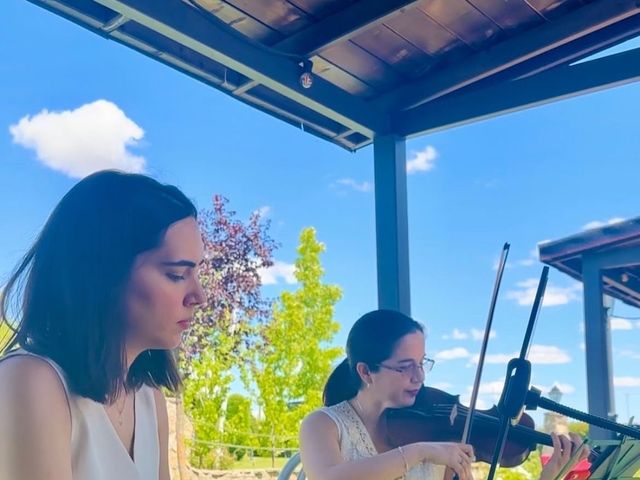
[356, 443]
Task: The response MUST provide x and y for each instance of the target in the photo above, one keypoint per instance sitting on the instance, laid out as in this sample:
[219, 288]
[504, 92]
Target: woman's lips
[184, 324]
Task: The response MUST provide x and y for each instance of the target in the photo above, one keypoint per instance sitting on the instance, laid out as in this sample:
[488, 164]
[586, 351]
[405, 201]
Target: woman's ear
[364, 373]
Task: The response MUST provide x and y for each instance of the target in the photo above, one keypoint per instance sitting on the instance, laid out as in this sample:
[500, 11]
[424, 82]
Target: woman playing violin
[349, 439]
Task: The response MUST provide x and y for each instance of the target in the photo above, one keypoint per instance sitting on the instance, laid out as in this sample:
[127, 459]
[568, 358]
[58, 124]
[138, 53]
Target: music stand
[618, 460]
[622, 463]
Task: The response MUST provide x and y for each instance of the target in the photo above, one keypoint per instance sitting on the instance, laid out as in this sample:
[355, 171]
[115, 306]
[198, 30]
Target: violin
[502, 435]
[438, 416]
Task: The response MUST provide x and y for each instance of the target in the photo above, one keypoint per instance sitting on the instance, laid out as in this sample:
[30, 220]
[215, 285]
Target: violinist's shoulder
[317, 423]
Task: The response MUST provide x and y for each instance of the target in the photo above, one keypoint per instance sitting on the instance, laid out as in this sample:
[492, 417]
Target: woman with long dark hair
[385, 367]
[98, 303]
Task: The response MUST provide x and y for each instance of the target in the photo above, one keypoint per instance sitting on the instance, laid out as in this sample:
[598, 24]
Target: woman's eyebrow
[409, 360]
[180, 263]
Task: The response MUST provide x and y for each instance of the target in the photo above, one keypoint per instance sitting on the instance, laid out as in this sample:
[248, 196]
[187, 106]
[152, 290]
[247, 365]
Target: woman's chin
[167, 343]
[174, 344]
[404, 401]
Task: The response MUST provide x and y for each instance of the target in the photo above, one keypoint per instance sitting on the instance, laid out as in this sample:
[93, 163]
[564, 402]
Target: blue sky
[539, 174]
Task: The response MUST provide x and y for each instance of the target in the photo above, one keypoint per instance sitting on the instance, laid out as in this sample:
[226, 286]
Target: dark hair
[67, 292]
[371, 340]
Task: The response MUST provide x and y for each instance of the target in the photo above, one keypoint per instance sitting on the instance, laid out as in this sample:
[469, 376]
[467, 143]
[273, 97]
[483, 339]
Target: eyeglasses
[411, 370]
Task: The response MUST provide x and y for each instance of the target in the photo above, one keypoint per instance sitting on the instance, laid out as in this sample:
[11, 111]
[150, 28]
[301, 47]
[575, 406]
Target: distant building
[554, 422]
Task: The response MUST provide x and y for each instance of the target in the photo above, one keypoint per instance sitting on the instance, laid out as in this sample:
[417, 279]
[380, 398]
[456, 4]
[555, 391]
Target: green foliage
[529, 470]
[5, 334]
[283, 361]
[238, 424]
[581, 428]
[293, 358]
[204, 395]
[223, 327]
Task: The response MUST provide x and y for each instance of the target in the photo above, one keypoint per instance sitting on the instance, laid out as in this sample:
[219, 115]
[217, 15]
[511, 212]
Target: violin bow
[466, 433]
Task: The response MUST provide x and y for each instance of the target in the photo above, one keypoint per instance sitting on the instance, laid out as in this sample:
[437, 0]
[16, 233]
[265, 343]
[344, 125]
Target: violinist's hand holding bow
[456, 456]
[563, 449]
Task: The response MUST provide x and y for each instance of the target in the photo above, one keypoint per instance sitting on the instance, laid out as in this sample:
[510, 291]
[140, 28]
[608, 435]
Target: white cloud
[457, 334]
[626, 381]
[263, 211]
[355, 185]
[598, 223]
[78, 142]
[547, 354]
[564, 388]
[617, 323]
[494, 358]
[630, 354]
[481, 404]
[488, 394]
[525, 262]
[479, 334]
[474, 333]
[496, 264]
[494, 389]
[452, 354]
[530, 260]
[422, 160]
[538, 354]
[279, 270]
[491, 388]
[554, 295]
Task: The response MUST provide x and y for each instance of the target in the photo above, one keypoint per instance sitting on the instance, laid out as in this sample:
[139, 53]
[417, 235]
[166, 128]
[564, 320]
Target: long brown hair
[66, 294]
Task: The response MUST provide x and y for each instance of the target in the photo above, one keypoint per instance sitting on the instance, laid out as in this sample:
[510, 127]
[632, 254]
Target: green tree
[529, 470]
[223, 327]
[5, 334]
[204, 394]
[581, 428]
[293, 357]
[238, 424]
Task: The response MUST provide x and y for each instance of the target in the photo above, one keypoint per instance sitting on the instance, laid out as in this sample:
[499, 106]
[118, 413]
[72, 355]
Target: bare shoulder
[319, 444]
[318, 423]
[35, 390]
[34, 413]
[31, 380]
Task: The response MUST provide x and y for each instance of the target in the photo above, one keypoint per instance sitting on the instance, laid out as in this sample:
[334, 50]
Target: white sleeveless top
[356, 443]
[97, 453]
